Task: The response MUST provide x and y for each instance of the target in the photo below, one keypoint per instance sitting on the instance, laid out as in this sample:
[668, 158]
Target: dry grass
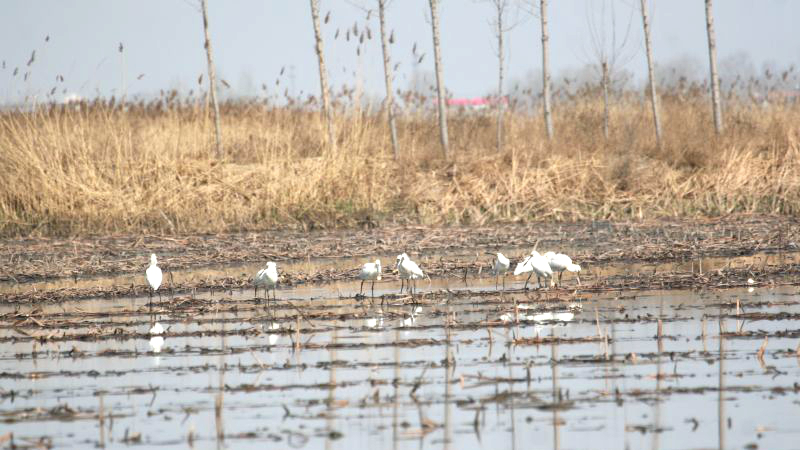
[99, 169]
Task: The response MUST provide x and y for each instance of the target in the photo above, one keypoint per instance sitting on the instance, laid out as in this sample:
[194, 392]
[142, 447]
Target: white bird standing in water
[500, 267]
[154, 276]
[267, 277]
[370, 272]
[157, 329]
[535, 263]
[408, 270]
[560, 262]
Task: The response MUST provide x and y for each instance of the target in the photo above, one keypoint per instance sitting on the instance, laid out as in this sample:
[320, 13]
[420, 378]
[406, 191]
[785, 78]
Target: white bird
[408, 270]
[500, 266]
[549, 317]
[157, 329]
[370, 272]
[560, 262]
[267, 277]
[534, 263]
[154, 276]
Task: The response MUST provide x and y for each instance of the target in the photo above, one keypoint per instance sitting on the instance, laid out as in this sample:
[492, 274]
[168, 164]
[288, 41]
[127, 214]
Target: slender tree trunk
[439, 79]
[548, 120]
[123, 89]
[651, 73]
[387, 75]
[323, 74]
[604, 83]
[500, 105]
[712, 58]
[212, 79]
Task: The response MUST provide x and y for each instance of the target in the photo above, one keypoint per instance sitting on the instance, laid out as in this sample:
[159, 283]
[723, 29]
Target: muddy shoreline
[40, 259]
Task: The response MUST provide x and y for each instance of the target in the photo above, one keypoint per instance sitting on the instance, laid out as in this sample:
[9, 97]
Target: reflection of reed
[101, 419]
[721, 388]
[448, 368]
[659, 377]
[396, 406]
[511, 400]
[556, 393]
[331, 390]
[219, 401]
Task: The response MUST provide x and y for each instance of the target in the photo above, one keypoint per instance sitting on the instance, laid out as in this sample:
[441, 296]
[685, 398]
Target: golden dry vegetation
[96, 168]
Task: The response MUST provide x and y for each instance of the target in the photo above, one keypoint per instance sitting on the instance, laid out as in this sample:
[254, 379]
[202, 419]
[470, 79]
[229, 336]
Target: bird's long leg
[560, 274]
[496, 276]
[159, 296]
[255, 292]
[361, 291]
[504, 282]
[538, 282]
[373, 288]
[401, 285]
[526, 281]
[577, 277]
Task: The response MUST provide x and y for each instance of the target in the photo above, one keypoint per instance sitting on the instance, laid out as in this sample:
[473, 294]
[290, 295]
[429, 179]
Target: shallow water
[455, 370]
[311, 266]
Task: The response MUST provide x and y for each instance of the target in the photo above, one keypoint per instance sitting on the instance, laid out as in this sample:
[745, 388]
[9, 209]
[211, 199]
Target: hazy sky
[252, 40]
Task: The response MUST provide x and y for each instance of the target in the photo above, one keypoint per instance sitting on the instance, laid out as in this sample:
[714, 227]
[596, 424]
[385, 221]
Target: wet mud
[700, 349]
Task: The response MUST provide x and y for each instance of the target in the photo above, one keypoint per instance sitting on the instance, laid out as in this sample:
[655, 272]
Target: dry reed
[145, 168]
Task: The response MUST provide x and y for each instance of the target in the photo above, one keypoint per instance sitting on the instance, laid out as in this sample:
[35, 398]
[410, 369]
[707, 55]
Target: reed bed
[98, 168]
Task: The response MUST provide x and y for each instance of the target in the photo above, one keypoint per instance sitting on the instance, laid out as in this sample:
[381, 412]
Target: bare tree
[712, 59]
[548, 120]
[500, 26]
[608, 54]
[387, 75]
[212, 78]
[440, 93]
[323, 73]
[604, 86]
[651, 73]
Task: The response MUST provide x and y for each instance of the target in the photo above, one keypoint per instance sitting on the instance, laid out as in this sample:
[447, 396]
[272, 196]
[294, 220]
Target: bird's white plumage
[408, 269]
[535, 263]
[371, 271]
[157, 329]
[501, 264]
[565, 316]
[268, 276]
[153, 273]
[560, 262]
[540, 265]
[523, 266]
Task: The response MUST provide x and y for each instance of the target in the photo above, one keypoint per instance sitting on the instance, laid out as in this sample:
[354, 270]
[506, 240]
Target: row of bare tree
[501, 27]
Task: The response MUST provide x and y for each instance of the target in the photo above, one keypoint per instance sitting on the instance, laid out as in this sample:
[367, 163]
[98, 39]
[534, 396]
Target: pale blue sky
[254, 39]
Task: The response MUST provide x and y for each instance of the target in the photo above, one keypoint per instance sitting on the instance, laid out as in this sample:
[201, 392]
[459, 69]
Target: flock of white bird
[543, 266]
